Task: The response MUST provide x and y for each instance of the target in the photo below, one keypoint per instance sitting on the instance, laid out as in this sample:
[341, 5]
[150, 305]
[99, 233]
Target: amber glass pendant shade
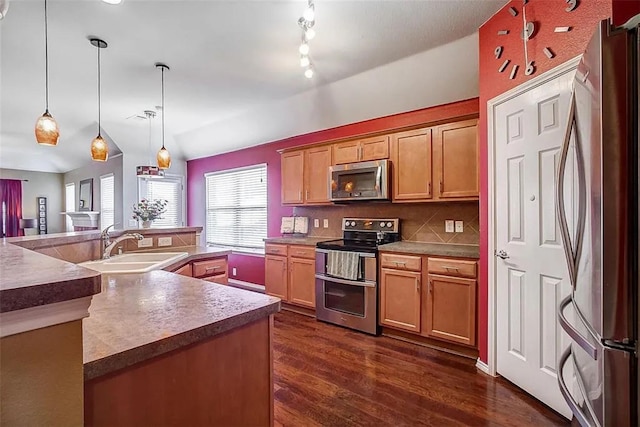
[164, 159]
[47, 132]
[99, 149]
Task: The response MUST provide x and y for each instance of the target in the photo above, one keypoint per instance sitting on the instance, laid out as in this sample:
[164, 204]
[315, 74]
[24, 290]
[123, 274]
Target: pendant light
[163, 157]
[149, 171]
[47, 132]
[99, 147]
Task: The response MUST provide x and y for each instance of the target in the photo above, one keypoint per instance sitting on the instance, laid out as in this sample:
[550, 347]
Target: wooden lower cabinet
[400, 299]
[450, 309]
[302, 282]
[185, 270]
[275, 280]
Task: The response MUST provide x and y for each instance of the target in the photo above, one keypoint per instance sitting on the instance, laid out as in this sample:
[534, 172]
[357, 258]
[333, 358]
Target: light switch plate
[164, 241]
[325, 223]
[316, 223]
[147, 242]
[459, 226]
[448, 226]
[234, 271]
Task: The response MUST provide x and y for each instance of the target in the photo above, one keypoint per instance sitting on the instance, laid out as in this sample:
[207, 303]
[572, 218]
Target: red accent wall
[623, 10]
[547, 14]
[251, 268]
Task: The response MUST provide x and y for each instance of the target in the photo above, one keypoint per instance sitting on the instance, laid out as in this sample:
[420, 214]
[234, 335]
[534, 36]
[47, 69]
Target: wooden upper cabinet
[456, 160]
[346, 152]
[292, 167]
[451, 309]
[302, 282]
[275, 280]
[316, 175]
[361, 150]
[400, 299]
[411, 163]
[374, 148]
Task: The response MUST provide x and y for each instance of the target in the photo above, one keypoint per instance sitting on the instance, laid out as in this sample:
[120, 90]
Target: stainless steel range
[347, 273]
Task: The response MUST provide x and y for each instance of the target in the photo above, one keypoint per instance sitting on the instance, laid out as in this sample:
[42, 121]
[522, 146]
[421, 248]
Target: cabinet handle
[400, 263]
[300, 195]
[360, 153]
[446, 267]
[430, 286]
[441, 187]
[418, 285]
[429, 189]
[299, 253]
[307, 195]
[212, 268]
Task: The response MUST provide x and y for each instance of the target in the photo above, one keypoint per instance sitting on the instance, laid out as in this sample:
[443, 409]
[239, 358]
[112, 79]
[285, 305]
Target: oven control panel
[374, 225]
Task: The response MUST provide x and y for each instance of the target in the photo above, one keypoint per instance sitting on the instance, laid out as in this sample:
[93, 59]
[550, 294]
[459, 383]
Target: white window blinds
[237, 207]
[69, 203]
[169, 189]
[107, 201]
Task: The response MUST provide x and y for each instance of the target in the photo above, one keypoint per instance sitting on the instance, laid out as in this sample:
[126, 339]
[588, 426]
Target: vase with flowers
[146, 211]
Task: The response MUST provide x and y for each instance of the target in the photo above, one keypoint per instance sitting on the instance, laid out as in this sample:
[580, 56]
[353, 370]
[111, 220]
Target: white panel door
[531, 282]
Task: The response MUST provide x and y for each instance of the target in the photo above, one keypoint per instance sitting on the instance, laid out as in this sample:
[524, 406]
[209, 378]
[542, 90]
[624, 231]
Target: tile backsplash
[420, 222]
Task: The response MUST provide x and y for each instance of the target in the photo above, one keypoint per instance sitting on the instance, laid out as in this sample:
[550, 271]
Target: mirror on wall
[86, 195]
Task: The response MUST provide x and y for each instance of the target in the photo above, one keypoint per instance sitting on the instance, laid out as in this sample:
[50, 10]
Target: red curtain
[11, 196]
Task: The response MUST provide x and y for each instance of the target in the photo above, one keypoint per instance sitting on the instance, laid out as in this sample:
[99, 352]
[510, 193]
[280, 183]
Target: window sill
[258, 252]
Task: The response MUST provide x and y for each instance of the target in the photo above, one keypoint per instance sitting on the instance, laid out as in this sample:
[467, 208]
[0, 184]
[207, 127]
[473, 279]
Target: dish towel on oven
[343, 264]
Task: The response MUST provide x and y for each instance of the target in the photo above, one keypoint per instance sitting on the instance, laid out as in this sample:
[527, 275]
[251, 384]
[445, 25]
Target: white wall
[438, 76]
[95, 170]
[40, 184]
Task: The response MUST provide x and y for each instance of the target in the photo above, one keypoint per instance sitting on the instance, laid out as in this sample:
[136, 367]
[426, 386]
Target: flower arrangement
[147, 210]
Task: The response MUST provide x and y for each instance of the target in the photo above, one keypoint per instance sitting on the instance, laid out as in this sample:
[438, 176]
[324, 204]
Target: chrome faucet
[109, 245]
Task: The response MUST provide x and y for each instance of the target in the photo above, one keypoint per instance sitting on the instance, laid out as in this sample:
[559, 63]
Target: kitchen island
[164, 349]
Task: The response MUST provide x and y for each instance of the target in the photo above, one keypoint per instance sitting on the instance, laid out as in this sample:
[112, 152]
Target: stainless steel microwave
[359, 181]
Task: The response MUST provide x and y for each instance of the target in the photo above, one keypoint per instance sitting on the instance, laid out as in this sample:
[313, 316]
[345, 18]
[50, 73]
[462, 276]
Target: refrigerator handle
[560, 210]
[573, 332]
[573, 405]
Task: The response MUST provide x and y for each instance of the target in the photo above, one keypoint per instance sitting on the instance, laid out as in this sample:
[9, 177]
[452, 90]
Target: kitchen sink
[134, 262]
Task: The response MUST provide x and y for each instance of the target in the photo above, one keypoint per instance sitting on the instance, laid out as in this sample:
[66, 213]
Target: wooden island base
[224, 380]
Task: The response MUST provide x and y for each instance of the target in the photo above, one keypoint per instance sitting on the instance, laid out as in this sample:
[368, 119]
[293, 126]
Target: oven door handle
[366, 284]
[362, 254]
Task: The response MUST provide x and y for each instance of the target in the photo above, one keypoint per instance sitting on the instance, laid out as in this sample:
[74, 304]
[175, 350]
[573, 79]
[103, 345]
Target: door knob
[502, 254]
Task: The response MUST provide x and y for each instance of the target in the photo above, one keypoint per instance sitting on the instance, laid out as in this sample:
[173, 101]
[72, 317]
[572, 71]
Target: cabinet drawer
[401, 262]
[452, 267]
[210, 267]
[273, 249]
[185, 270]
[308, 252]
[221, 279]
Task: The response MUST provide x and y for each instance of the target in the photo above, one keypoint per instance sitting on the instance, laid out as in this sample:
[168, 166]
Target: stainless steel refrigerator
[598, 373]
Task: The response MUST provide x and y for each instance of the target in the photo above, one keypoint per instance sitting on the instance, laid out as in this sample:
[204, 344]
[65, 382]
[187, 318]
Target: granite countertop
[438, 249]
[29, 279]
[140, 316]
[305, 241]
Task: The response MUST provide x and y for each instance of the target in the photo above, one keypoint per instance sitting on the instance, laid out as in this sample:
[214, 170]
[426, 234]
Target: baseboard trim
[483, 367]
[246, 285]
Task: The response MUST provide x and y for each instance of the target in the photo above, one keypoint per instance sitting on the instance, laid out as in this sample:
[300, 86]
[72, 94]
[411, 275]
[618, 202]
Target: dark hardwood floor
[325, 375]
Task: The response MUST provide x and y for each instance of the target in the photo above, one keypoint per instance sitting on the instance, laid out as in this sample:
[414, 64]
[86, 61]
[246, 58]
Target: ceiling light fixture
[99, 147]
[4, 7]
[47, 131]
[112, 1]
[163, 157]
[149, 171]
[306, 23]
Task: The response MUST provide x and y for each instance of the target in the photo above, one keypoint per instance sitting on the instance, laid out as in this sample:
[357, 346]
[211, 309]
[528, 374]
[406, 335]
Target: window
[107, 201]
[69, 203]
[237, 207]
[168, 188]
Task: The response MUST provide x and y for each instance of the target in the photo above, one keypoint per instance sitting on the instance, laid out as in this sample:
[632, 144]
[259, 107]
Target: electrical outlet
[316, 223]
[234, 271]
[325, 223]
[133, 223]
[164, 241]
[448, 226]
[147, 242]
[459, 226]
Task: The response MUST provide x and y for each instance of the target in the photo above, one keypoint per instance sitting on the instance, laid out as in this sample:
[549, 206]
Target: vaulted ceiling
[226, 58]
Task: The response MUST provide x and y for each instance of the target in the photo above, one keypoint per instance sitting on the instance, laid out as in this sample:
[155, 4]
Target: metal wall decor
[42, 215]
